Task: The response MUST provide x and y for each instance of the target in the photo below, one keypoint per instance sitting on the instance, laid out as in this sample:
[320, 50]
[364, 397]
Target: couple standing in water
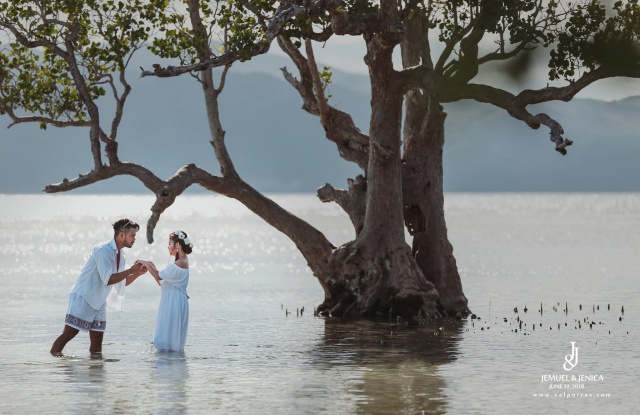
[102, 283]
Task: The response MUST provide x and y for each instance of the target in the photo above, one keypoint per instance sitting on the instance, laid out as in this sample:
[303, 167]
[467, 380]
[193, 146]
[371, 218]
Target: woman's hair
[182, 238]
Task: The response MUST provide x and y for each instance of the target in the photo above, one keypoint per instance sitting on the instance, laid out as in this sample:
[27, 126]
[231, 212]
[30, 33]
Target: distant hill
[277, 147]
[487, 150]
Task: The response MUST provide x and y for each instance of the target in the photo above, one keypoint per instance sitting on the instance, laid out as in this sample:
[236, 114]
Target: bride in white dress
[173, 312]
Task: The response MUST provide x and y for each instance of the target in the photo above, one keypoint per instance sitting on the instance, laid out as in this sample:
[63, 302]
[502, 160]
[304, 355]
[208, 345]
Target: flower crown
[183, 237]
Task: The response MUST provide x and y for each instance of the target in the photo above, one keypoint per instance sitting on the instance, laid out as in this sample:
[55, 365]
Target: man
[100, 283]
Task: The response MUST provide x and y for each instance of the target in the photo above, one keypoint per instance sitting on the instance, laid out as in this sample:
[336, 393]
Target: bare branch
[168, 191]
[120, 102]
[143, 174]
[165, 191]
[223, 79]
[317, 84]
[502, 55]
[515, 108]
[352, 143]
[50, 121]
[211, 93]
[303, 87]
[319, 37]
[444, 90]
[352, 201]
[451, 44]
[567, 92]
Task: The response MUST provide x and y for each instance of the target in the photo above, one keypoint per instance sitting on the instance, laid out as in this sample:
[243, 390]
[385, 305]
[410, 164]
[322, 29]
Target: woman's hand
[139, 267]
[152, 270]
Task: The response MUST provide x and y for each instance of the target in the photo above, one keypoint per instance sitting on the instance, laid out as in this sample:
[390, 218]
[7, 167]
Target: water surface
[245, 355]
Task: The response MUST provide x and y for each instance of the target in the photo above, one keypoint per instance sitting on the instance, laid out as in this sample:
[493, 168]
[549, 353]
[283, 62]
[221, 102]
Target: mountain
[487, 150]
[277, 147]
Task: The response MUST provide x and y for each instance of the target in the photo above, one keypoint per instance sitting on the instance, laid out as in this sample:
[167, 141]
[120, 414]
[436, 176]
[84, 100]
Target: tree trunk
[376, 274]
[422, 177]
[424, 212]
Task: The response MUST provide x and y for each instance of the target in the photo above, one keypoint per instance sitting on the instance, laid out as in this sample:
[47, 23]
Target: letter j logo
[571, 360]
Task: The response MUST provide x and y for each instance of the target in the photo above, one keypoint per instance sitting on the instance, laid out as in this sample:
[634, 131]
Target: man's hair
[123, 225]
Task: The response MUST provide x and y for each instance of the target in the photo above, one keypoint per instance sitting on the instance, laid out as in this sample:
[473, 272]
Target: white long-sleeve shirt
[92, 284]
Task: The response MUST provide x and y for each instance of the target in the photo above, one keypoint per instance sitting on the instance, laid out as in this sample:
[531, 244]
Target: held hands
[151, 267]
[139, 267]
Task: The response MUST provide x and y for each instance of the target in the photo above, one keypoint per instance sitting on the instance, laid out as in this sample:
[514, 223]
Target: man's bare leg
[96, 342]
[67, 334]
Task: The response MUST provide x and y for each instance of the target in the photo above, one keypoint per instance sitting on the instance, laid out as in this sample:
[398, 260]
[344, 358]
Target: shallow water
[244, 355]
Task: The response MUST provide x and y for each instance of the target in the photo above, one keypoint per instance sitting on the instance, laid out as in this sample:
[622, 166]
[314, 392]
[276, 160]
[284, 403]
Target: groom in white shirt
[100, 283]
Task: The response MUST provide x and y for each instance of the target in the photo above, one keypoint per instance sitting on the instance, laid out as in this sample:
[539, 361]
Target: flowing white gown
[173, 312]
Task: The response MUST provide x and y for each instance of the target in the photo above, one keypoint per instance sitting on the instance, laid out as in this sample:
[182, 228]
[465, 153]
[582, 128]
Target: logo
[571, 360]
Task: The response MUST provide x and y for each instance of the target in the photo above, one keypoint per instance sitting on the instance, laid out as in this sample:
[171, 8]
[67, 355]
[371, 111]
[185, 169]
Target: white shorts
[81, 316]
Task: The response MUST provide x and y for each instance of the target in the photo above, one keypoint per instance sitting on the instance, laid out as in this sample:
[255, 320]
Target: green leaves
[231, 27]
[590, 39]
[325, 77]
[38, 84]
[49, 39]
[583, 34]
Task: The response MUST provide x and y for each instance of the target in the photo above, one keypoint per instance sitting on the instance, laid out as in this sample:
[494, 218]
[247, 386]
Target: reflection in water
[394, 368]
[170, 378]
[84, 384]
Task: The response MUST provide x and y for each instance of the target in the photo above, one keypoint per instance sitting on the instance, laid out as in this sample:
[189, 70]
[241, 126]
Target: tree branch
[50, 121]
[285, 13]
[500, 55]
[223, 79]
[345, 23]
[120, 104]
[352, 201]
[450, 45]
[515, 108]
[256, 12]
[323, 106]
[319, 37]
[32, 44]
[444, 91]
[567, 92]
[165, 191]
[353, 144]
[210, 92]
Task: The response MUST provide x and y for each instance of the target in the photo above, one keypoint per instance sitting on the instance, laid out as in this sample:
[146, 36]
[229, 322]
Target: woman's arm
[151, 267]
[130, 274]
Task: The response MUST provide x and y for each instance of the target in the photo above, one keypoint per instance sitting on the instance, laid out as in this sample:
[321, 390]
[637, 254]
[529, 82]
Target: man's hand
[138, 268]
[150, 266]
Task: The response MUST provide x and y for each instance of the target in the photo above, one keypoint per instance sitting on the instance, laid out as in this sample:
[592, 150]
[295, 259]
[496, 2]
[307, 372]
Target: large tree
[62, 57]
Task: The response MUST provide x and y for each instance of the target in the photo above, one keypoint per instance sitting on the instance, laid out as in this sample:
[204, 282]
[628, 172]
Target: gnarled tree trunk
[424, 212]
[422, 176]
[376, 274]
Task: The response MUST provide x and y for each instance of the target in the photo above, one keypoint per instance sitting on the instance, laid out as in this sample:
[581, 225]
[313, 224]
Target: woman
[173, 313]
